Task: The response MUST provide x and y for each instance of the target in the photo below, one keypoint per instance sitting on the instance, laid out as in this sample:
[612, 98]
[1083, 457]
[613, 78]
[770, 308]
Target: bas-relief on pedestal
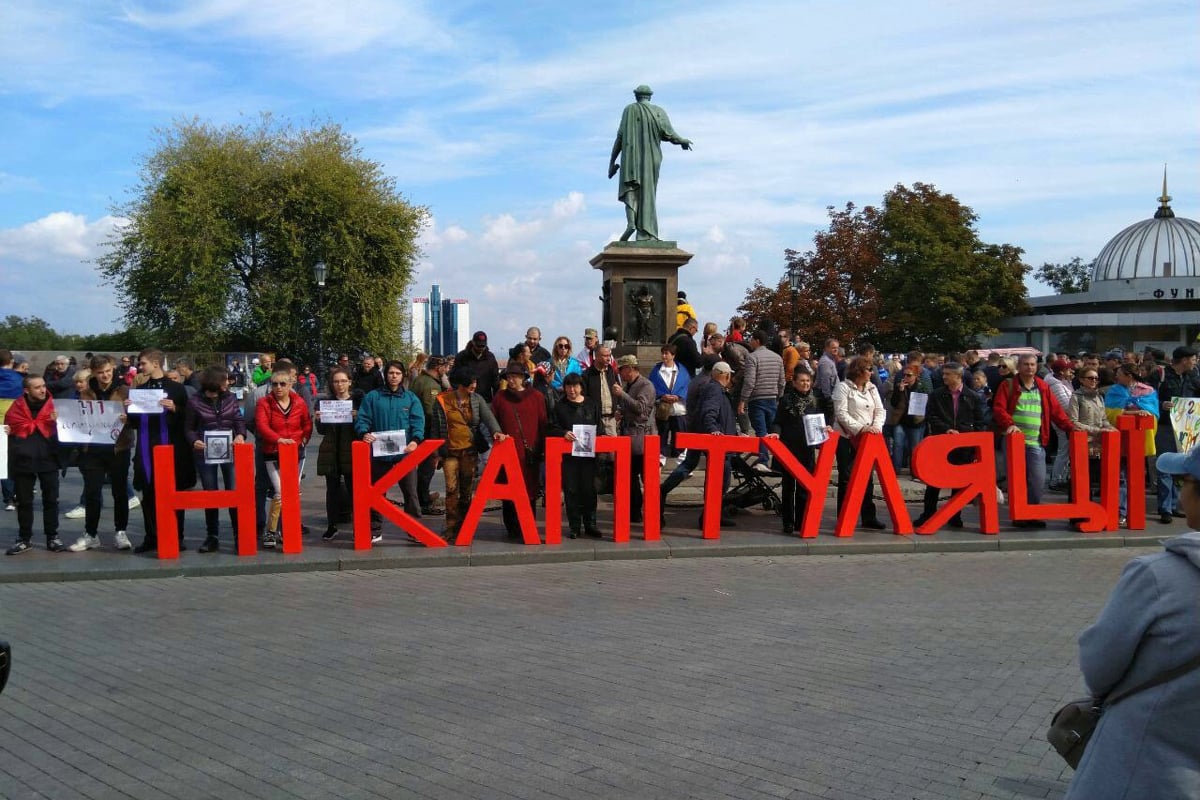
[640, 281]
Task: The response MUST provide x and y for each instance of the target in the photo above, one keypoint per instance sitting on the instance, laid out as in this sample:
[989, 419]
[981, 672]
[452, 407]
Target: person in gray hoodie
[1146, 745]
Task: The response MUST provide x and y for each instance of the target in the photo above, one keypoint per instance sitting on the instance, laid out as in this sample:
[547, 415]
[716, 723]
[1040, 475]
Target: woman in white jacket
[857, 410]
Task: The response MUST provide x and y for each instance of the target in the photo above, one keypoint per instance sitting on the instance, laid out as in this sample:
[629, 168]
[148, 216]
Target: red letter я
[975, 480]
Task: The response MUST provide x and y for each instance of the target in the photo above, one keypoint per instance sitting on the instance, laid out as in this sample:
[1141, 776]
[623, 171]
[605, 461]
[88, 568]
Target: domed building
[1144, 291]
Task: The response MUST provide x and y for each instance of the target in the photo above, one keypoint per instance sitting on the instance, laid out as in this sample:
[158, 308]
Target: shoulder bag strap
[1169, 675]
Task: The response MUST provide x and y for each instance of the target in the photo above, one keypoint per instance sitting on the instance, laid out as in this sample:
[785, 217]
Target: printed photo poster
[1185, 419]
[814, 429]
[91, 422]
[584, 445]
[389, 443]
[218, 447]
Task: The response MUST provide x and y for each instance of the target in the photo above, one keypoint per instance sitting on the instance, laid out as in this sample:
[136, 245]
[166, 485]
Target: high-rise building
[440, 326]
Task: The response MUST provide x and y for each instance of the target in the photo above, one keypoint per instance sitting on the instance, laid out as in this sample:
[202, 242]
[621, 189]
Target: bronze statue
[643, 126]
[643, 309]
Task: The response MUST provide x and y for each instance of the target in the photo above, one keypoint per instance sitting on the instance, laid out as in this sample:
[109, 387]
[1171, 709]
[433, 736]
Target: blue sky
[1051, 120]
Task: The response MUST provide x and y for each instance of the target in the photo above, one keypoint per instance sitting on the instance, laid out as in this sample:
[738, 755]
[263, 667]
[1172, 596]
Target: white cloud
[570, 205]
[45, 274]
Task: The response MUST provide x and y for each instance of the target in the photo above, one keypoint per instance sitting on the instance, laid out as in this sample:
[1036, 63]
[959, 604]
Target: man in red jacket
[33, 458]
[1024, 404]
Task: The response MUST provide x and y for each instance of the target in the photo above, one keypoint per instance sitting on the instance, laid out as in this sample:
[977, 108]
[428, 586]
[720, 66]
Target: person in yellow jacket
[683, 309]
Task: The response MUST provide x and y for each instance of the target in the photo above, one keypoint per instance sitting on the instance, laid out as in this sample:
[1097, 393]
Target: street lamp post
[320, 272]
[794, 282]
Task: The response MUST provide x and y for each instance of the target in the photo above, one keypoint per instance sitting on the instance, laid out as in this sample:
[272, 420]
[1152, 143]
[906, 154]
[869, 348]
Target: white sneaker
[662, 461]
[123, 542]
[681, 456]
[78, 512]
[376, 538]
[134, 501]
[85, 542]
[10, 507]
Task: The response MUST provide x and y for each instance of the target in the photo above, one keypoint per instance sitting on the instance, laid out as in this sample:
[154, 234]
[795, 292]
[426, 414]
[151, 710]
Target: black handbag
[481, 441]
[1073, 724]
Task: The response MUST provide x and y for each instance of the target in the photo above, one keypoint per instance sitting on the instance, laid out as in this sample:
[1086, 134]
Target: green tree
[942, 287]
[1070, 278]
[29, 333]
[226, 224]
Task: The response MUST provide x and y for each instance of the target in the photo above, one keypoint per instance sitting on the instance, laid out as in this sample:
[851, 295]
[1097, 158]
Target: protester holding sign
[799, 401]
[211, 411]
[334, 462]
[1179, 380]
[105, 458]
[158, 424]
[392, 409]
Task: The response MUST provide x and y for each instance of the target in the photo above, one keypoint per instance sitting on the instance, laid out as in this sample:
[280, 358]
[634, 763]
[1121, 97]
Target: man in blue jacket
[392, 409]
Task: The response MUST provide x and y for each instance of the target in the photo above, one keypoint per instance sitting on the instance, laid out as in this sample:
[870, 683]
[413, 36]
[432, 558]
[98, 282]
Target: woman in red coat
[280, 418]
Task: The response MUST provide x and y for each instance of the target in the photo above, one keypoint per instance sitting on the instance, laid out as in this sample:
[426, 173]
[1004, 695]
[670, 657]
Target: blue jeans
[1168, 494]
[1061, 471]
[762, 416]
[904, 441]
[1035, 472]
[208, 481]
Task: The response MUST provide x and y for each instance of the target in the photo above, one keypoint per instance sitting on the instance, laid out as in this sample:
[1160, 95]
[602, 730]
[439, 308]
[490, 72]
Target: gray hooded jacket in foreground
[1147, 746]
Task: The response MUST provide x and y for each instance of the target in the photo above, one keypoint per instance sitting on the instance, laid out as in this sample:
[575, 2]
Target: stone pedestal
[640, 284]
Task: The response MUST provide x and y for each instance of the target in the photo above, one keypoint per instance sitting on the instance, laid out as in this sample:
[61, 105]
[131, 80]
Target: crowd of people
[762, 382]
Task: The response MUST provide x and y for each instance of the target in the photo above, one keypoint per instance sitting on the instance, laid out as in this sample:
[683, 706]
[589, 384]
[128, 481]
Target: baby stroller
[749, 486]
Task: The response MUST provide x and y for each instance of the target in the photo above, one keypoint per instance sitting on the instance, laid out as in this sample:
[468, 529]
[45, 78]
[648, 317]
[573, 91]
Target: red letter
[621, 448]
[931, 465]
[872, 454]
[1133, 427]
[815, 483]
[556, 448]
[373, 496]
[504, 457]
[168, 500]
[715, 449]
[289, 488]
[1019, 508]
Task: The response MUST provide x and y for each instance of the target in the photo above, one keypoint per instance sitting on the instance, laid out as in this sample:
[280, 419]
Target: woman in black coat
[333, 456]
[798, 401]
[578, 472]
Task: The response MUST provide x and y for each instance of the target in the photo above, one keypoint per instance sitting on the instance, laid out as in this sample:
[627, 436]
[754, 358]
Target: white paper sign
[95, 422]
[584, 445]
[4, 454]
[145, 401]
[336, 411]
[389, 443]
[814, 429]
[917, 403]
[218, 447]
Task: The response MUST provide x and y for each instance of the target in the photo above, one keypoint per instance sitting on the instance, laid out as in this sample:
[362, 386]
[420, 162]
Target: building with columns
[1144, 291]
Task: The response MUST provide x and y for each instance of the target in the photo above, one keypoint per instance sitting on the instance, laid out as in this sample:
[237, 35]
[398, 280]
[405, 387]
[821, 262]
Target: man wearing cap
[522, 415]
[634, 395]
[481, 362]
[1179, 380]
[591, 340]
[643, 126]
[427, 386]
[709, 411]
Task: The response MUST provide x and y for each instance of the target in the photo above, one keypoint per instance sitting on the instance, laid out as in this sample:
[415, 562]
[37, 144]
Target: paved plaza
[921, 675]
